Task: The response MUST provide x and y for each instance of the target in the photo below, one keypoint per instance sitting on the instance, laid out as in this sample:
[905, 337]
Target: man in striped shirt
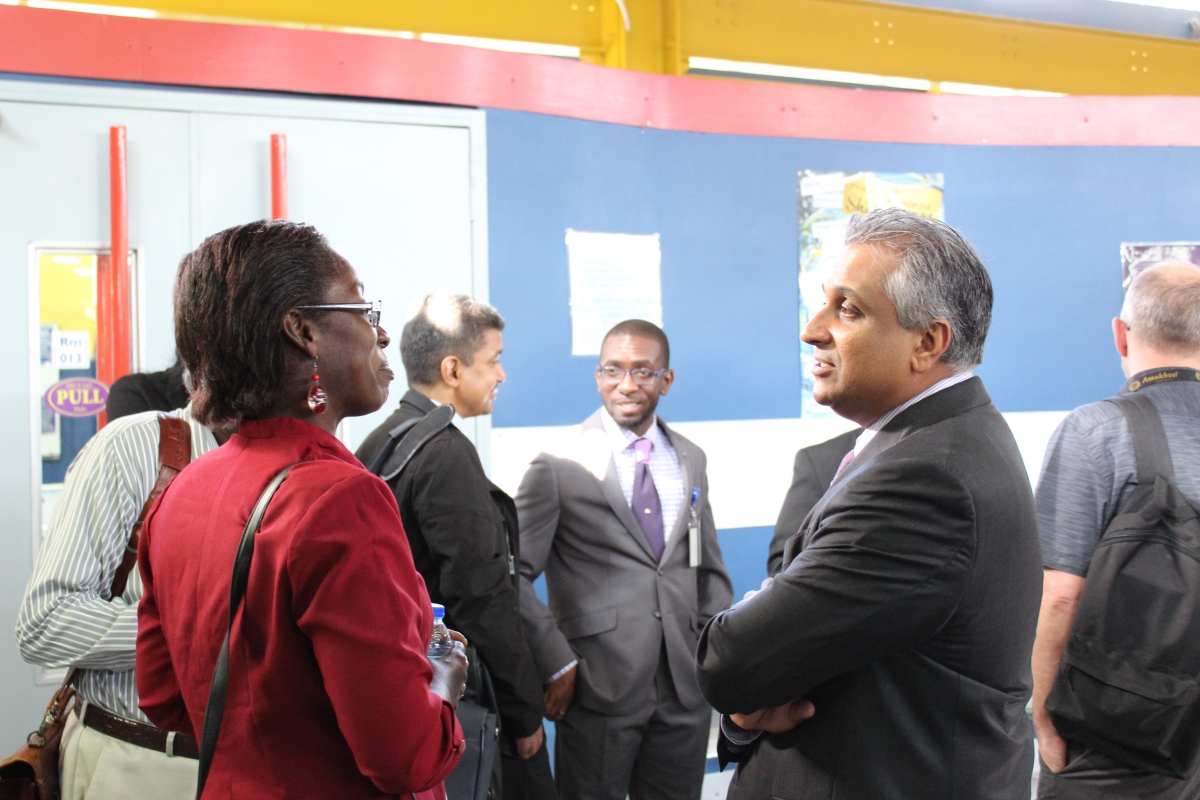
[68, 619]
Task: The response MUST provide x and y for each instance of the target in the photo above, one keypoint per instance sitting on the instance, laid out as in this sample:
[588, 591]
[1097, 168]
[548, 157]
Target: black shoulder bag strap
[1149, 438]
[215, 710]
[407, 438]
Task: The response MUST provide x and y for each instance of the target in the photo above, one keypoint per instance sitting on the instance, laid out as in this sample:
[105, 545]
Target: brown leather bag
[32, 772]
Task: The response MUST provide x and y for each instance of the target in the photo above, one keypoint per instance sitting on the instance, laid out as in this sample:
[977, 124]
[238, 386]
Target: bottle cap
[439, 610]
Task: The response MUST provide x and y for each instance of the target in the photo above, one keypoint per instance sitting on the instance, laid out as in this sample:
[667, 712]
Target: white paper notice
[70, 349]
[614, 277]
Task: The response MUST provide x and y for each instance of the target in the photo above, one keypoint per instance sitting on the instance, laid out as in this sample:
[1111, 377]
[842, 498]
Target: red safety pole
[112, 274]
[279, 186]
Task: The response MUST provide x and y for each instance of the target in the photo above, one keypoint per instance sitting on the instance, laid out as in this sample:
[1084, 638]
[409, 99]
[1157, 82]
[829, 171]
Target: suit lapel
[616, 498]
[610, 485]
[933, 409]
[679, 531]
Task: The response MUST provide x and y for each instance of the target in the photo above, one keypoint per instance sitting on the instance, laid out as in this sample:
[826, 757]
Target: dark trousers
[1090, 775]
[657, 753]
[526, 779]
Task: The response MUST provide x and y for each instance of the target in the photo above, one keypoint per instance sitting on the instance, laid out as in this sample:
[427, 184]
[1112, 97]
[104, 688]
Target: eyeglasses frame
[655, 373]
[375, 307]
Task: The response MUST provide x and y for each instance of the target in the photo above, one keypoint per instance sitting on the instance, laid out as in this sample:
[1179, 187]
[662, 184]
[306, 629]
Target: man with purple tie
[619, 521]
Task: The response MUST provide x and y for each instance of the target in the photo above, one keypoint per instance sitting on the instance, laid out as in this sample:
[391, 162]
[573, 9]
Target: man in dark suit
[462, 528]
[812, 473]
[891, 656]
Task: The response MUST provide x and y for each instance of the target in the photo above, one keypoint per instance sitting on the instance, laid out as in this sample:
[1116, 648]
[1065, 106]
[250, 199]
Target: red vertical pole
[112, 274]
[279, 185]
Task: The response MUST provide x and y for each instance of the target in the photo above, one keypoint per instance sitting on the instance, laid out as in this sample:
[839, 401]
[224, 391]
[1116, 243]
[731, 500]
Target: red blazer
[328, 679]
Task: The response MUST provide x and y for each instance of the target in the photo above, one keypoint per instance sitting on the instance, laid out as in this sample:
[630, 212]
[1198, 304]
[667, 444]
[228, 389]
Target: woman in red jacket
[330, 692]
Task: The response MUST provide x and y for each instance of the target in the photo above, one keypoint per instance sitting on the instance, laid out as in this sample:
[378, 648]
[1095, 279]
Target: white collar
[620, 438]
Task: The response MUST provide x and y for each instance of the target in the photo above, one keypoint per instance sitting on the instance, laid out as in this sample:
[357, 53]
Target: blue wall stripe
[1047, 220]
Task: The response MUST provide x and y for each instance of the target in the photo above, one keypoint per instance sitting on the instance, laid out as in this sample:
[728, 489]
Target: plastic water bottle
[440, 643]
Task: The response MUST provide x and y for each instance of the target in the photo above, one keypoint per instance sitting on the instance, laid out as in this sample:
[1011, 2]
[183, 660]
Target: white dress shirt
[664, 467]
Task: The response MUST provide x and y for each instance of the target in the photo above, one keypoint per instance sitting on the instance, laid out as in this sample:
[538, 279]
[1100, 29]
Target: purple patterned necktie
[646, 505]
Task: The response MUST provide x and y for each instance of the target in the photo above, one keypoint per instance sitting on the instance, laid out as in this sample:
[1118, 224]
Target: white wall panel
[749, 461]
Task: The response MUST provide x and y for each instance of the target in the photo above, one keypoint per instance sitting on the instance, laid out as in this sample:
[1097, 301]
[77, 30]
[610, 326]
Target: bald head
[1162, 308]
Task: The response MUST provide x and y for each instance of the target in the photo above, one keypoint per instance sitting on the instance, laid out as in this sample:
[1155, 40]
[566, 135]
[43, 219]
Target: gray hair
[1162, 305]
[938, 276]
[444, 325]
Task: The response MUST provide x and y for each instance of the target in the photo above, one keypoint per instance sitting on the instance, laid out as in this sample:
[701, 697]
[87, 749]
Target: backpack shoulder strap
[174, 453]
[1149, 438]
[405, 440]
[394, 436]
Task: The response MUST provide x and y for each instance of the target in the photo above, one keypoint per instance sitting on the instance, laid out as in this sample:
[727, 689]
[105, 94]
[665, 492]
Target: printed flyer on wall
[827, 201]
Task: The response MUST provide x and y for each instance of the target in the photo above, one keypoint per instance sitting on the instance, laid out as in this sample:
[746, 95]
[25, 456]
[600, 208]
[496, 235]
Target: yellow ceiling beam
[570, 22]
[847, 35]
[912, 42]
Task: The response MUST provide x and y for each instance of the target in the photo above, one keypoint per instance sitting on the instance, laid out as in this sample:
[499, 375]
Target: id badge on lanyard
[694, 530]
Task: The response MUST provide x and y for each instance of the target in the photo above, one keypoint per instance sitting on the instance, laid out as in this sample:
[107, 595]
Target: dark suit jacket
[906, 612]
[814, 470]
[462, 529]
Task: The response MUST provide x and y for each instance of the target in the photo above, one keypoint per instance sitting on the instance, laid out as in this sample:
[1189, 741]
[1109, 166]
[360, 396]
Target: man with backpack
[1117, 656]
[461, 527]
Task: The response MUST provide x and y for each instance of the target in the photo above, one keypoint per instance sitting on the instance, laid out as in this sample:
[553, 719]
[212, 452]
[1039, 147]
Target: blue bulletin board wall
[1048, 222]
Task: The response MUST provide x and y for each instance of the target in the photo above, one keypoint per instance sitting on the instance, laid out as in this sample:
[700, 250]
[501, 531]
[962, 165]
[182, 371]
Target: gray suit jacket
[906, 612]
[612, 605]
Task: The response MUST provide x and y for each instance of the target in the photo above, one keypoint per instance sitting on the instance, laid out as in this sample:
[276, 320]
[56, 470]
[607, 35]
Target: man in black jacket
[891, 656]
[463, 528]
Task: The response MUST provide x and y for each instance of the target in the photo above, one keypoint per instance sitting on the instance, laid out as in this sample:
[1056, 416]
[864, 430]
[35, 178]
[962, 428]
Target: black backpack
[1128, 685]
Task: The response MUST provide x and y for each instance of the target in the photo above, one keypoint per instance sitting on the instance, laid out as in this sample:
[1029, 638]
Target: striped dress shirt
[67, 617]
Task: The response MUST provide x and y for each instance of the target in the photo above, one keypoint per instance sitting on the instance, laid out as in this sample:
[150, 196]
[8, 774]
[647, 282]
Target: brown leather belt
[137, 733]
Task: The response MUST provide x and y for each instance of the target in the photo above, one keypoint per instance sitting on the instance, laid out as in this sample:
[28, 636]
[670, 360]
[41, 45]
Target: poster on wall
[827, 201]
[614, 277]
[1137, 256]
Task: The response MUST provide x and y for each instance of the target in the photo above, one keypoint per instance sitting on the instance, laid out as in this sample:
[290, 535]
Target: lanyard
[1164, 375]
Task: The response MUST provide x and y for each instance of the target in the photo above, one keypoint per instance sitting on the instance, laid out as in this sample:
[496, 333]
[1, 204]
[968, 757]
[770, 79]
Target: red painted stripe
[36, 41]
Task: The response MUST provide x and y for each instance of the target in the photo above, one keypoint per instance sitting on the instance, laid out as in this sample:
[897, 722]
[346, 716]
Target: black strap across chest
[214, 711]
[407, 438]
[1149, 439]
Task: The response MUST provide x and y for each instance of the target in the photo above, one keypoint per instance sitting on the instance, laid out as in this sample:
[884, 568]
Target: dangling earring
[316, 394]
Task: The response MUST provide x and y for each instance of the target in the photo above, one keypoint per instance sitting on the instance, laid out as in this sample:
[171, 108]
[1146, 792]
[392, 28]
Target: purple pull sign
[78, 397]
